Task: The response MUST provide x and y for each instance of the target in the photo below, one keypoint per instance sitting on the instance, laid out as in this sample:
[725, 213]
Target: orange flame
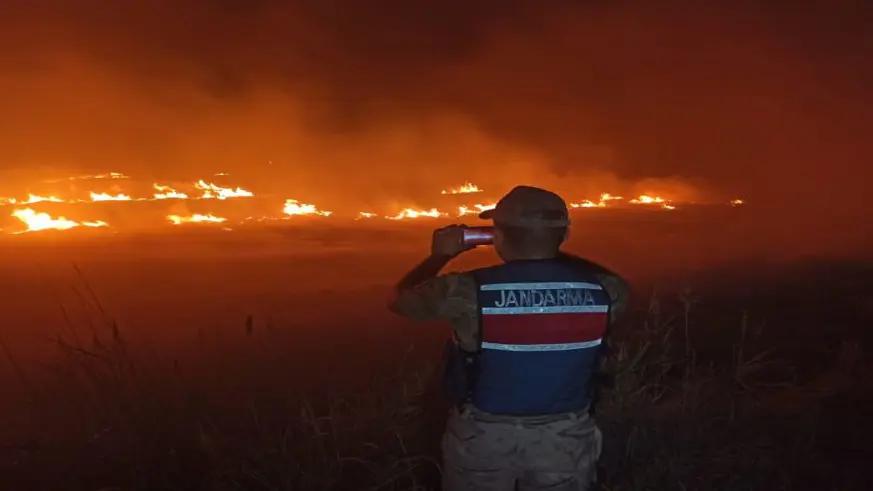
[31, 198]
[475, 210]
[196, 218]
[294, 207]
[166, 192]
[647, 200]
[109, 197]
[43, 221]
[466, 188]
[211, 191]
[410, 213]
[290, 207]
[604, 199]
[110, 175]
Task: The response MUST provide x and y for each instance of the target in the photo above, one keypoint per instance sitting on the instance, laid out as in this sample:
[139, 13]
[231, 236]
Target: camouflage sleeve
[619, 293]
[449, 296]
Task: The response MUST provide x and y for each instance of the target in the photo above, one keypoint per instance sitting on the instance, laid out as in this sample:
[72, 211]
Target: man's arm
[418, 295]
[421, 295]
[450, 296]
[424, 271]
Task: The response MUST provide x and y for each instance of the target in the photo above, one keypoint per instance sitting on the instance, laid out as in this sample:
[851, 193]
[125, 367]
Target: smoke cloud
[363, 102]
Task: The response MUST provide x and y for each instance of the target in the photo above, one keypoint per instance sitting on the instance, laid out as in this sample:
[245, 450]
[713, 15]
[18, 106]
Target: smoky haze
[359, 103]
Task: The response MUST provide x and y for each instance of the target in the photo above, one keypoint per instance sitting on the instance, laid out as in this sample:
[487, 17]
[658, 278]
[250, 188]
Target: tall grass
[697, 404]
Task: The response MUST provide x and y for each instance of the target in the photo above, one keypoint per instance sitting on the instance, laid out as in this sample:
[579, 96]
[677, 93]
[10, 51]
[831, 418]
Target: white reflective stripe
[541, 347]
[567, 309]
[539, 286]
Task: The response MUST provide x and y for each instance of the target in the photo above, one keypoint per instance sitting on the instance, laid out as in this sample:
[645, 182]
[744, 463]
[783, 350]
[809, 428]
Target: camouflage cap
[529, 207]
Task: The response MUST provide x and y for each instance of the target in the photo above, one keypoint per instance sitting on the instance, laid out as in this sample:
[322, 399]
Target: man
[528, 346]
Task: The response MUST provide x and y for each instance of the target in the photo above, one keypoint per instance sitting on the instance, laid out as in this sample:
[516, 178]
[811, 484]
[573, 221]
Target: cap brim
[487, 214]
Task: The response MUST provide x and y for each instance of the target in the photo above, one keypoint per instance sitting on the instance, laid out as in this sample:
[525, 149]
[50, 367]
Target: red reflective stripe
[543, 328]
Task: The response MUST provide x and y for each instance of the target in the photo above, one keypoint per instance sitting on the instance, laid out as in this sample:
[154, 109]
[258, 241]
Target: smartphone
[476, 236]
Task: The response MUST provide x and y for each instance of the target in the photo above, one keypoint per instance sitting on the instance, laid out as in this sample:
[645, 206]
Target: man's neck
[531, 257]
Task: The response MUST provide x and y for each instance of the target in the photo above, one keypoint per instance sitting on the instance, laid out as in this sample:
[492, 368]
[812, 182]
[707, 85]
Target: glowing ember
[166, 192]
[363, 214]
[109, 197]
[43, 221]
[410, 213]
[467, 188]
[294, 207]
[668, 207]
[737, 202]
[211, 191]
[8, 201]
[196, 218]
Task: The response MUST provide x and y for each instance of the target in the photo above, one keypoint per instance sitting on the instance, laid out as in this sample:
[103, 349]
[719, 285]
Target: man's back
[542, 322]
[529, 338]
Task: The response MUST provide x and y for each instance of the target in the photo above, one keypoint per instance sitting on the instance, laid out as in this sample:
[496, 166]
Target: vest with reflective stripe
[541, 328]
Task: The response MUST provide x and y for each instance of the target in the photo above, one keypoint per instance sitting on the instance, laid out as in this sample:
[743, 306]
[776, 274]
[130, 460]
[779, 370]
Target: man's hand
[448, 242]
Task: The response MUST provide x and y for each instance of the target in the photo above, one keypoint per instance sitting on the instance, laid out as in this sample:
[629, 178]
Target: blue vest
[541, 327]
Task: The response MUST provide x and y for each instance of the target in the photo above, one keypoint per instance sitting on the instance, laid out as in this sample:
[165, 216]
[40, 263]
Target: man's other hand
[449, 241]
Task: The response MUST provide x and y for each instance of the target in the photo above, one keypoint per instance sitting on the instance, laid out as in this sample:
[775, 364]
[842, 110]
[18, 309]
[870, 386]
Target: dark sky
[753, 100]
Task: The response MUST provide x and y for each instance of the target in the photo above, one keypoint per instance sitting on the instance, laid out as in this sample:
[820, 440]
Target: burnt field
[263, 358]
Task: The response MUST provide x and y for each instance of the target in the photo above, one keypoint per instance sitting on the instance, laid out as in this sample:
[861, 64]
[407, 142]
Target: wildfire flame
[166, 192]
[475, 210]
[31, 198]
[109, 197]
[466, 188]
[410, 213]
[43, 221]
[91, 177]
[294, 207]
[110, 175]
[647, 200]
[196, 218]
[211, 191]
[604, 199]
[203, 190]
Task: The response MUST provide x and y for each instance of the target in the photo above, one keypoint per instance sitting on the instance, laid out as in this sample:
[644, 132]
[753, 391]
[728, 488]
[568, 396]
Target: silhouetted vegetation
[710, 394]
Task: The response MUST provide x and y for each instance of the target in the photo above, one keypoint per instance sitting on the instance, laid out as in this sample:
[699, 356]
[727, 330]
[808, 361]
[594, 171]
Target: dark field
[264, 359]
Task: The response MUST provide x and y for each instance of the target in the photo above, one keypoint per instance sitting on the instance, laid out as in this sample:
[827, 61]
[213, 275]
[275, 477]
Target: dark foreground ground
[275, 366]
